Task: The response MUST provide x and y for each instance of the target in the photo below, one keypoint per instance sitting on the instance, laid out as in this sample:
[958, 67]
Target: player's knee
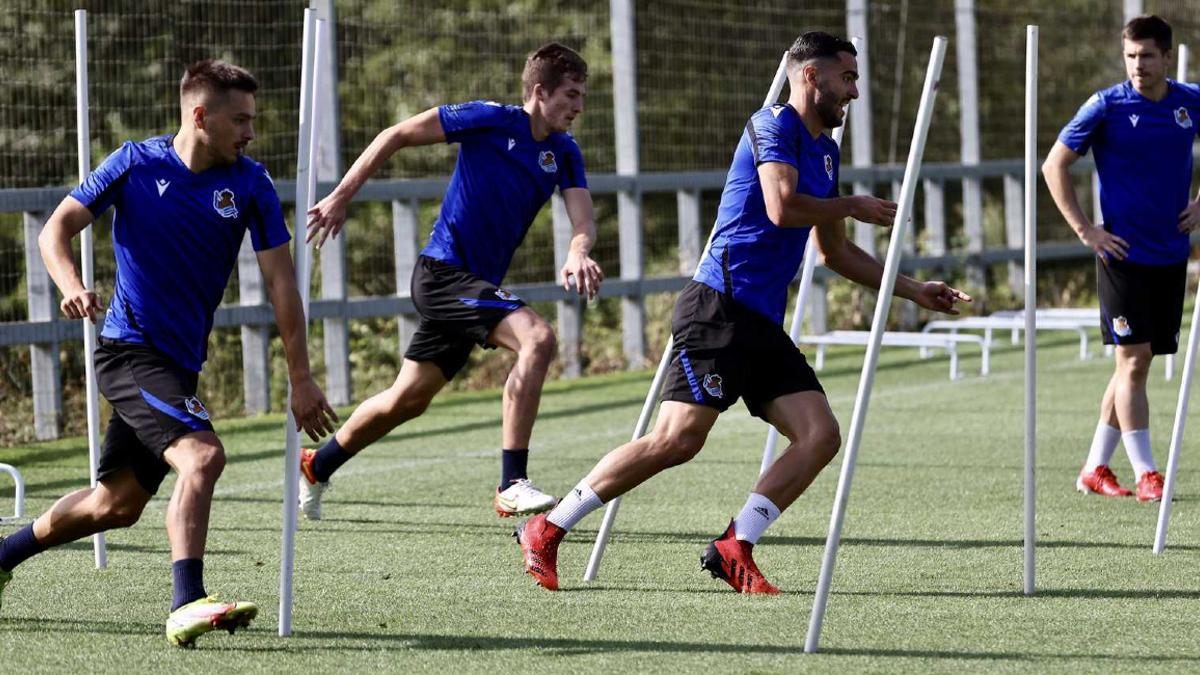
[207, 463]
[1137, 366]
[118, 514]
[678, 448]
[541, 345]
[826, 441]
[407, 405]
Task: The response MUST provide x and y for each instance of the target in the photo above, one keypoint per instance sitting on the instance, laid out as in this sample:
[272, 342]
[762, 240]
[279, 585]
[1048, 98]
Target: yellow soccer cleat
[196, 618]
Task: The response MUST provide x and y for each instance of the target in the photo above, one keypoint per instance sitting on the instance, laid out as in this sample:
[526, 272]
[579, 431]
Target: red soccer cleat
[1100, 481]
[730, 559]
[306, 465]
[539, 539]
[1150, 487]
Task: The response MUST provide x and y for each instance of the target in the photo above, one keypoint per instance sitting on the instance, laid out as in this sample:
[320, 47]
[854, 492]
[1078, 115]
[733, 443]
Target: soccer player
[509, 162]
[728, 337]
[1142, 132]
[183, 204]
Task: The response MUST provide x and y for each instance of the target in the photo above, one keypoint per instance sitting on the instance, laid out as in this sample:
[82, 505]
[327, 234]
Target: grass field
[412, 571]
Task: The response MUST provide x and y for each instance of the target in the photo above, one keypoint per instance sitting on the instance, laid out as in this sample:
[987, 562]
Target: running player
[729, 341]
[510, 160]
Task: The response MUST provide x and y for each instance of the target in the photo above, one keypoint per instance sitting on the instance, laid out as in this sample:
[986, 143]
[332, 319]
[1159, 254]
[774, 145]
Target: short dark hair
[217, 78]
[549, 65]
[1149, 27]
[817, 45]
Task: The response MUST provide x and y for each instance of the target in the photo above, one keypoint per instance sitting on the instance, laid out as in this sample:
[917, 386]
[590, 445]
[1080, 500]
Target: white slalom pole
[1031, 178]
[1185, 388]
[912, 170]
[87, 246]
[806, 277]
[639, 430]
[1180, 76]
[305, 189]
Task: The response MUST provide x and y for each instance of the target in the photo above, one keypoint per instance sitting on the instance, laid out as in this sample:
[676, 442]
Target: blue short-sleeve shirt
[176, 236]
[750, 257]
[1143, 152]
[501, 180]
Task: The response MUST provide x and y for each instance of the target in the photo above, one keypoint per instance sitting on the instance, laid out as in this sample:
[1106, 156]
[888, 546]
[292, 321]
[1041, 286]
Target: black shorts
[458, 311]
[724, 350]
[1141, 303]
[154, 402]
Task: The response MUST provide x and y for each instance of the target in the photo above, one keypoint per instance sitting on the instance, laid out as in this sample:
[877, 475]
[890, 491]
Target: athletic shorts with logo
[724, 351]
[1141, 303]
[154, 402]
[458, 311]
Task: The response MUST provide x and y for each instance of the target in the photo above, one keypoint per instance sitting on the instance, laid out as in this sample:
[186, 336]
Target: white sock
[756, 516]
[1104, 444]
[1137, 446]
[574, 506]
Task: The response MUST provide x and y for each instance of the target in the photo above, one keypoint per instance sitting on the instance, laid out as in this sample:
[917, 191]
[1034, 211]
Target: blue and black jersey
[502, 179]
[176, 236]
[750, 257]
[1143, 154]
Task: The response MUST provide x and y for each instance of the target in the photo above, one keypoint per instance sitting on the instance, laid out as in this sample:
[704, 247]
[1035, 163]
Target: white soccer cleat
[310, 488]
[523, 498]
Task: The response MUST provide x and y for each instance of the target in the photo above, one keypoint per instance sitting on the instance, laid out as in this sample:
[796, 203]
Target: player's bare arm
[1057, 171]
[68, 220]
[579, 264]
[842, 256]
[788, 208]
[326, 218]
[1189, 218]
[311, 411]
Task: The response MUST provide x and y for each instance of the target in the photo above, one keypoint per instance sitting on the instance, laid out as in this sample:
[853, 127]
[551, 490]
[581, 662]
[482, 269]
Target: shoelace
[525, 488]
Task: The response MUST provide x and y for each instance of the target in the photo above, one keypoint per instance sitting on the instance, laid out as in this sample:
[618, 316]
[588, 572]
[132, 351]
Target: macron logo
[511, 143]
[162, 186]
[1133, 119]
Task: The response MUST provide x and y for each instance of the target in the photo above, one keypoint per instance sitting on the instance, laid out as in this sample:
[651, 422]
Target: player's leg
[198, 459]
[678, 435]
[117, 501]
[531, 338]
[1096, 476]
[407, 398]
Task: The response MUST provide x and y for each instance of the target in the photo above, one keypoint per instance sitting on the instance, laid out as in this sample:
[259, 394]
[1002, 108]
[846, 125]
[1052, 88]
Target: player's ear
[199, 116]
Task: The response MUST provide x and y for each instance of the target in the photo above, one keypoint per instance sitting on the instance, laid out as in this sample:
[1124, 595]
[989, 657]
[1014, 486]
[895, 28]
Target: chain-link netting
[702, 69]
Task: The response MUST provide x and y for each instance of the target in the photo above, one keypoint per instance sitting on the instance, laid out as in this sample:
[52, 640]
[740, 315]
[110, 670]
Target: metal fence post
[629, 202]
[687, 208]
[333, 254]
[256, 354]
[43, 357]
[861, 129]
[405, 226]
[935, 217]
[1014, 228]
[968, 96]
[570, 311]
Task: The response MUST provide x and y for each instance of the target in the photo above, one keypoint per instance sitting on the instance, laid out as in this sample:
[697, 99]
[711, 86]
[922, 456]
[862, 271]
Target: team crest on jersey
[506, 295]
[1182, 118]
[547, 162]
[196, 408]
[223, 203]
[829, 166]
[712, 384]
[1120, 326]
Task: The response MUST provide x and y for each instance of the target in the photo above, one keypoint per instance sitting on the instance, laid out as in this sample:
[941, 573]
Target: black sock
[328, 459]
[512, 466]
[189, 581]
[19, 547]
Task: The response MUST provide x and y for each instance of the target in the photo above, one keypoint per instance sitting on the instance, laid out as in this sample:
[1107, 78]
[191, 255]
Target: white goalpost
[1185, 390]
[306, 187]
[87, 245]
[883, 303]
[643, 422]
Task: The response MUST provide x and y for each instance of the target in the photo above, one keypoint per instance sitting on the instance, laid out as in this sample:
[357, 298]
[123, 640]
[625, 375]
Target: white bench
[19, 510]
[924, 341]
[988, 324]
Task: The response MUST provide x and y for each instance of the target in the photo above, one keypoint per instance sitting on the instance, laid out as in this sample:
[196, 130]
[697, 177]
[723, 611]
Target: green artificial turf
[412, 570]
